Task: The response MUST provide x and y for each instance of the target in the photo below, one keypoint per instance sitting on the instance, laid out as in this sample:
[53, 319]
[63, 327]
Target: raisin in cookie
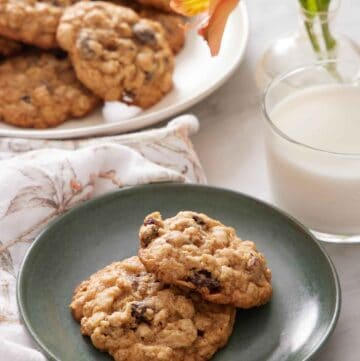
[200, 253]
[32, 21]
[40, 90]
[134, 317]
[9, 47]
[173, 24]
[116, 54]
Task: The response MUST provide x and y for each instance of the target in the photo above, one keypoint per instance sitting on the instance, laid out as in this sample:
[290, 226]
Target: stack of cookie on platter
[61, 58]
[177, 300]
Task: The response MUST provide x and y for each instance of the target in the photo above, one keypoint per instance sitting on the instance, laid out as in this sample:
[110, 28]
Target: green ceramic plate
[293, 326]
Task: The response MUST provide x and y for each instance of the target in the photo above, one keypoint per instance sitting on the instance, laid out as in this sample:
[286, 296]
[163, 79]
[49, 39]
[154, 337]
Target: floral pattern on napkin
[41, 179]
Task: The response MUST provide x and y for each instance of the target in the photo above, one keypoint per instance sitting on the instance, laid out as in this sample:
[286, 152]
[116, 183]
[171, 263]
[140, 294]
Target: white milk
[319, 188]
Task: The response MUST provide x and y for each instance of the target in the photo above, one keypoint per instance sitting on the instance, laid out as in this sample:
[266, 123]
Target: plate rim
[146, 120]
[102, 198]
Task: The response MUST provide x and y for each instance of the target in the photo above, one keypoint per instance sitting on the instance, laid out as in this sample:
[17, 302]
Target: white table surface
[230, 146]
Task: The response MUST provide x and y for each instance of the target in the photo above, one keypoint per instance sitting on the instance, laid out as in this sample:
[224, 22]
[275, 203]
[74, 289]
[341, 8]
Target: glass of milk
[313, 147]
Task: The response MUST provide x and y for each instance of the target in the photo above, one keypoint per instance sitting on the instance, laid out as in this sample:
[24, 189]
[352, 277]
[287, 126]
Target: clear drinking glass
[317, 180]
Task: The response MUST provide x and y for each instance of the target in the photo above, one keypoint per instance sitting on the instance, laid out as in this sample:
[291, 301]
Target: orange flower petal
[213, 29]
[190, 7]
[213, 5]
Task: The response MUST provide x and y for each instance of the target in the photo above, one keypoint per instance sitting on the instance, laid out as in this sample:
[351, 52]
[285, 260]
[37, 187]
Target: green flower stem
[312, 36]
[323, 8]
[320, 8]
[311, 7]
[330, 42]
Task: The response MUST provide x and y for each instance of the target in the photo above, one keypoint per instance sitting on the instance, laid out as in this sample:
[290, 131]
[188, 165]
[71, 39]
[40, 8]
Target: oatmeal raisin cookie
[199, 253]
[134, 317]
[32, 21]
[40, 90]
[116, 54]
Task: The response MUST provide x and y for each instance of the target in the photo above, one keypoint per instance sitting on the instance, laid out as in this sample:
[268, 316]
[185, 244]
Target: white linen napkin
[41, 179]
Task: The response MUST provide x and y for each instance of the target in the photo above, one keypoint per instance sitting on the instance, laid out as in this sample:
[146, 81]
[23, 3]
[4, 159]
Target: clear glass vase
[313, 41]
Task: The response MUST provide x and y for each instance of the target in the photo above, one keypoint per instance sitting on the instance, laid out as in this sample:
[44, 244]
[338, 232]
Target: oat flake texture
[117, 54]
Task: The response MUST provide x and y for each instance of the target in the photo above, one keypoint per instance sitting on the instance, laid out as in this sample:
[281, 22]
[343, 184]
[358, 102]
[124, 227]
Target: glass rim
[276, 81]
